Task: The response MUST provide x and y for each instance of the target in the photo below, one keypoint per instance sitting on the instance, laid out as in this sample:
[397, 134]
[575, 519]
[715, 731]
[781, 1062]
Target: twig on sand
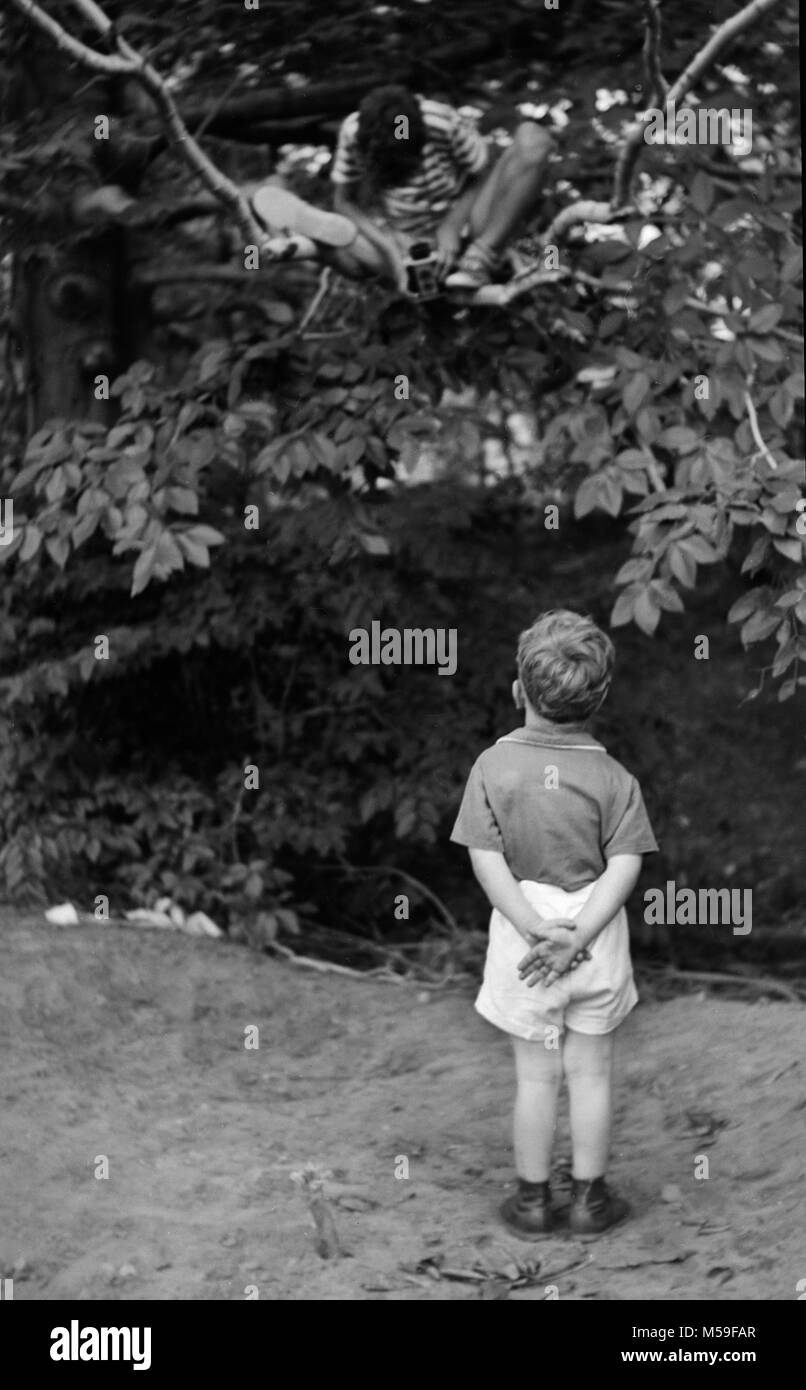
[762, 984]
[327, 1242]
[566, 1269]
[783, 1071]
[330, 968]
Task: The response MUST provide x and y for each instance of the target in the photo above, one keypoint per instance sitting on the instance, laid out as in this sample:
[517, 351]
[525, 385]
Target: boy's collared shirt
[555, 804]
[454, 150]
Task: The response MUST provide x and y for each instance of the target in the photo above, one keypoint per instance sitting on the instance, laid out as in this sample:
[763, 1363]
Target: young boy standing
[556, 829]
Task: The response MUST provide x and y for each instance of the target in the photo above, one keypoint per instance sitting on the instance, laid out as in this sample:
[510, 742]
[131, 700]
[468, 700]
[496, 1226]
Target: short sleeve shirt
[453, 151]
[555, 804]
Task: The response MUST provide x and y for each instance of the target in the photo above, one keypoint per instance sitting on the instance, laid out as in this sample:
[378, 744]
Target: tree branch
[135, 66]
[194, 274]
[338, 97]
[657, 86]
[578, 212]
[99, 62]
[756, 432]
[700, 63]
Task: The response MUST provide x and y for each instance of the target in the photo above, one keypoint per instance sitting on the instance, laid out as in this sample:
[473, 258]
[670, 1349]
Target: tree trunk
[66, 280]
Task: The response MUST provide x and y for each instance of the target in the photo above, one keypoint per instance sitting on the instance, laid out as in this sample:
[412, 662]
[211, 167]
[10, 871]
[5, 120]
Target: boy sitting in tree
[409, 169]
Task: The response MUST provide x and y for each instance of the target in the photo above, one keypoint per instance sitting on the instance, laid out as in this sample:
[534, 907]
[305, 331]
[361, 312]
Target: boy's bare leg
[512, 188]
[358, 259]
[539, 1072]
[588, 1065]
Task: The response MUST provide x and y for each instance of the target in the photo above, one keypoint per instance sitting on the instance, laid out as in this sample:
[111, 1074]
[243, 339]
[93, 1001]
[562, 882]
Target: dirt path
[131, 1045]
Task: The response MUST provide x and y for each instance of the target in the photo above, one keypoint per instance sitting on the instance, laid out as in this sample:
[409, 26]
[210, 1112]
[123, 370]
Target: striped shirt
[453, 151]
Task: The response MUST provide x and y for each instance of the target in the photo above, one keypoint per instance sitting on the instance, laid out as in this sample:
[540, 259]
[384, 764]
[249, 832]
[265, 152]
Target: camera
[421, 276]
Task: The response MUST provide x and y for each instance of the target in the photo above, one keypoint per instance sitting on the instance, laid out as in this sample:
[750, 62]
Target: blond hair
[565, 665]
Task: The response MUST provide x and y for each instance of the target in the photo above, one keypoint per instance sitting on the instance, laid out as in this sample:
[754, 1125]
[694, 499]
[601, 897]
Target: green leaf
[675, 297]
[699, 549]
[781, 407]
[666, 596]
[635, 392]
[205, 535]
[143, 569]
[184, 500]
[84, 528]
[31, 541]
[634, 458]
[680, 438]
[610, 494]
[756, 555]
[587, 497]
[766, 318]
[790, 599]
[791, 548]
[58, 548]
[623, 608]
[197, 554]
[375, 545]
[646, 612]
[702, 192]
[169, 556]
[682, 565]
[745, 605]
[768, 349]
[56, 486]
[213, 360]
[634, 569]
[758, 626]
[278, 312]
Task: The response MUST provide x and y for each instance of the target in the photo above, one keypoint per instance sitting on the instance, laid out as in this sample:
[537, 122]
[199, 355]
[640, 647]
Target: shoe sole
[521, 1234]
[596, 1235]
[527, 1235]
[285, 212]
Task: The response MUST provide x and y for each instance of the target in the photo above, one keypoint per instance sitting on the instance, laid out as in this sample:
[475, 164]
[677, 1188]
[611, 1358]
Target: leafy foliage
[245, 510]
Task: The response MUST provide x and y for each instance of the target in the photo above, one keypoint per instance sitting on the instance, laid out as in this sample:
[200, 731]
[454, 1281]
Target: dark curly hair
[389, 157]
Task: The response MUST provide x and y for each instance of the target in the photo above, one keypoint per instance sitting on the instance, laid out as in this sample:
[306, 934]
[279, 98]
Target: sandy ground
[130, 1044]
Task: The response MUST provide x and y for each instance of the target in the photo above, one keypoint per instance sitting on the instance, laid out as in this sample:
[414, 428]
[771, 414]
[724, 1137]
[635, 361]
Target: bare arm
[504, 892]
[608, 897]
[546, 962]
[343, 203]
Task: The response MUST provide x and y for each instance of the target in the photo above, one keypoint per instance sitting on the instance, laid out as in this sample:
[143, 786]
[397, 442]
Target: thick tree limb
[700, 63]
[132, 64]
[197, 275]
[338, 97]
[575, 213]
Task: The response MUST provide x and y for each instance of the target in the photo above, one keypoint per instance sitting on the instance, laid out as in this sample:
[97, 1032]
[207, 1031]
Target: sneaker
[283, 211]
[475, 269]
[594, 1208]
[528, 1211]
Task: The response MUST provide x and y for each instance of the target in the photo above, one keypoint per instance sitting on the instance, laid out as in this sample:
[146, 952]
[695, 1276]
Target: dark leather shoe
[528, 1212]
[594, 1208]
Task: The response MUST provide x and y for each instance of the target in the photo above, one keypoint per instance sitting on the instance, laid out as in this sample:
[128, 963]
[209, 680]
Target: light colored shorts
[594, 998]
